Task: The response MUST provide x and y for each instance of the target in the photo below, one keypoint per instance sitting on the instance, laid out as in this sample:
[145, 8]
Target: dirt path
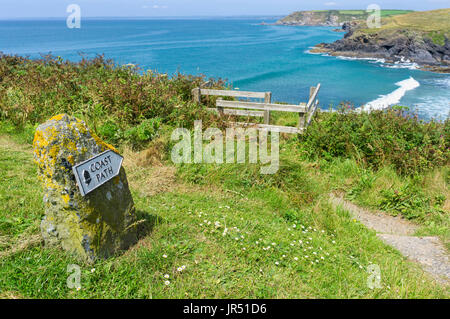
[398, 233]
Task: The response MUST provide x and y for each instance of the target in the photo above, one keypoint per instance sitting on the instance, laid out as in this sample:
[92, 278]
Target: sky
[10, 9]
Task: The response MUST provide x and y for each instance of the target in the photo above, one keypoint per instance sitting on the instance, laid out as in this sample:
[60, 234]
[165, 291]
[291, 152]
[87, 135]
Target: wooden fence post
[302, 116]
[219, 108]
[268, 100]
[196, 95]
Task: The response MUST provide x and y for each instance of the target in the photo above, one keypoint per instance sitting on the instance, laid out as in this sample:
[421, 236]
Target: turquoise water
[251, 56]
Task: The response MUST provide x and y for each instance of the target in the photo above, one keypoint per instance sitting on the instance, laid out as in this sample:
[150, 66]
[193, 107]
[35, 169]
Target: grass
[190, 223]
[238, 234]
[435, 22]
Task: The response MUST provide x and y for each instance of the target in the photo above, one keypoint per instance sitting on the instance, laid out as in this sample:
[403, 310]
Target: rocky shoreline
[393, 47]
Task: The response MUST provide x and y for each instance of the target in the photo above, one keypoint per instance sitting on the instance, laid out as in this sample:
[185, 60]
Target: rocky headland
[418, 37]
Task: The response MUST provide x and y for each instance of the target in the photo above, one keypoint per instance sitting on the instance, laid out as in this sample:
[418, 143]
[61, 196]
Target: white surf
[394, 97]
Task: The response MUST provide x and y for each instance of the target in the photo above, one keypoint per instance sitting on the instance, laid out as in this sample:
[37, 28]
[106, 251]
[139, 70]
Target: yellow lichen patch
[104, 145]
[66, 198]
[71, 159]
[57, 117]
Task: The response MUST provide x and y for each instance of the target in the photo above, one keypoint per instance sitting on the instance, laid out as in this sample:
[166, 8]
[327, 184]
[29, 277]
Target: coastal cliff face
[428, 46]
[318, 18]
[334, 18]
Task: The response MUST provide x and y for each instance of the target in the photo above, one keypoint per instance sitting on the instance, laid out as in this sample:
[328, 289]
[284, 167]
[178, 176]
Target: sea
[250, 55]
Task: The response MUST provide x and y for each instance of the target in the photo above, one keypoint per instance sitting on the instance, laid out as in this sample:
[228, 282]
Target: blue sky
[155, 8]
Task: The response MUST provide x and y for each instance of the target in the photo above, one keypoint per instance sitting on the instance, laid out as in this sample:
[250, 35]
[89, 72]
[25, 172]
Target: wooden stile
[260, 109]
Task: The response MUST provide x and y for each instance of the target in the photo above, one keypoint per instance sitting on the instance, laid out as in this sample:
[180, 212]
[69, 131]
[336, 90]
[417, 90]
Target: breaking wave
[394, 97]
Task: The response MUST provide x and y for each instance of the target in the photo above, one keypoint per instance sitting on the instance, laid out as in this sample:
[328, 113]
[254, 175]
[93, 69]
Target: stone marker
[97, 222]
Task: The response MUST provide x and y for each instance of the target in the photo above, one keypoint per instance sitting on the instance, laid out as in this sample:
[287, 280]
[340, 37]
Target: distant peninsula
[418, 37]
[335, 18]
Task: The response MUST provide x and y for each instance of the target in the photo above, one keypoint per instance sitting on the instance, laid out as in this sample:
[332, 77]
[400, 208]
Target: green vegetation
[238, 233]
[336, 16]
[395, 138]
[435, 23]
[121, 104]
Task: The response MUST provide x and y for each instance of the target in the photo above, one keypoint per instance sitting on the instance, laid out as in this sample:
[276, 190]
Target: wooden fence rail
[261, 109]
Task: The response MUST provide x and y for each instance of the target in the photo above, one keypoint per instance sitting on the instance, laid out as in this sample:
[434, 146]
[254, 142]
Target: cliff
[330, 17]
[420, 37]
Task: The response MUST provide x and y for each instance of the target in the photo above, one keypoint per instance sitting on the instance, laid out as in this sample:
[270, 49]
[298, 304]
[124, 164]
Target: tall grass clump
[392, 137]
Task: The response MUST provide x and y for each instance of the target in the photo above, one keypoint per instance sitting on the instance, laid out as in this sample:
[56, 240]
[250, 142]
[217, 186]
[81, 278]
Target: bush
[392, 137]
[410, 202]
[112, 99]
[144, 131]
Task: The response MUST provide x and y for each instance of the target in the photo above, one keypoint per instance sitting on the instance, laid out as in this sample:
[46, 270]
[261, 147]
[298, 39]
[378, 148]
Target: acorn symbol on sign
[87, 177]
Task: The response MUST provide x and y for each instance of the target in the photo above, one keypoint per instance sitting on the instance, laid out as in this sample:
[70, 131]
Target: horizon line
[152, 17]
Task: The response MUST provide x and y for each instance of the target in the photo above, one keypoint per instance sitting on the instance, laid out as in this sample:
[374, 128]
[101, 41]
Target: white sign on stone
[97, 170]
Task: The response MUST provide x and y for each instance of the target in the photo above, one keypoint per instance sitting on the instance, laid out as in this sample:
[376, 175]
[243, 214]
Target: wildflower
[180, 269]
[164, 256]
[78, 288]
[92, 270]
[183, 267]
[167, 282]
[295, 258]
[273, 244]
[166, 276]
[334, 242]
[277, 263]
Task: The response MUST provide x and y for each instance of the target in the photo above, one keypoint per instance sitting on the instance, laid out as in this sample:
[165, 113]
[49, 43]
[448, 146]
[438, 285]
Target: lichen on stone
[91, 227]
